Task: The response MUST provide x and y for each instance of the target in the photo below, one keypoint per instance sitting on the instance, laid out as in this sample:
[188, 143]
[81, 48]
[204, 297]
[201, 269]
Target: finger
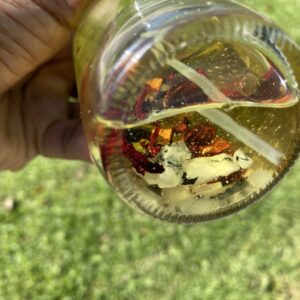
[65, 140]
[53, 123]
[31, 32]
[49, 118]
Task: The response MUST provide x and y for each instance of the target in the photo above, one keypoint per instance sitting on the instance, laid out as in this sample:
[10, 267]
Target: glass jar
[190, 107]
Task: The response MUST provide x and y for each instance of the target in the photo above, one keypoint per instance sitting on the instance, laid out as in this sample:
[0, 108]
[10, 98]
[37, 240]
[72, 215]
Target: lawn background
[68, 237]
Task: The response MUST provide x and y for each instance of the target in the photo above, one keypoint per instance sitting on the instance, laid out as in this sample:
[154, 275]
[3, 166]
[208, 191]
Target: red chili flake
[200, 135]
[181, 127]
[271, 88]
[234, 177]
[158, 138]
[154, 136]
[139, 160]
[144, 101]
[141, 108]
[172, 91]
[218, 146]
[154, 150]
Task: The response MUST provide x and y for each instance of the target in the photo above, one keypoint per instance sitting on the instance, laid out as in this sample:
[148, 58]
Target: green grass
[70, 238]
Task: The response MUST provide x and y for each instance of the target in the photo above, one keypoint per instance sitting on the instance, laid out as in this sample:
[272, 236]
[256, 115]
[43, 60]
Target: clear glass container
[190, 107]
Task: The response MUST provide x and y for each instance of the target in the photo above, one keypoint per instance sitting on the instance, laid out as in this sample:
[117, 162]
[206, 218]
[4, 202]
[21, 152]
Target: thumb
[65, 139]
[31, 32]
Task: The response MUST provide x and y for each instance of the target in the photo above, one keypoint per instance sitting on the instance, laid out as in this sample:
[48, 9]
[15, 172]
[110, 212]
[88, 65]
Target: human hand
[36, 79]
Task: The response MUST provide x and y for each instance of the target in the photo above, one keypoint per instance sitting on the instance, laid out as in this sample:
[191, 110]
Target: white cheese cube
[168, 179]
[209, 168]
